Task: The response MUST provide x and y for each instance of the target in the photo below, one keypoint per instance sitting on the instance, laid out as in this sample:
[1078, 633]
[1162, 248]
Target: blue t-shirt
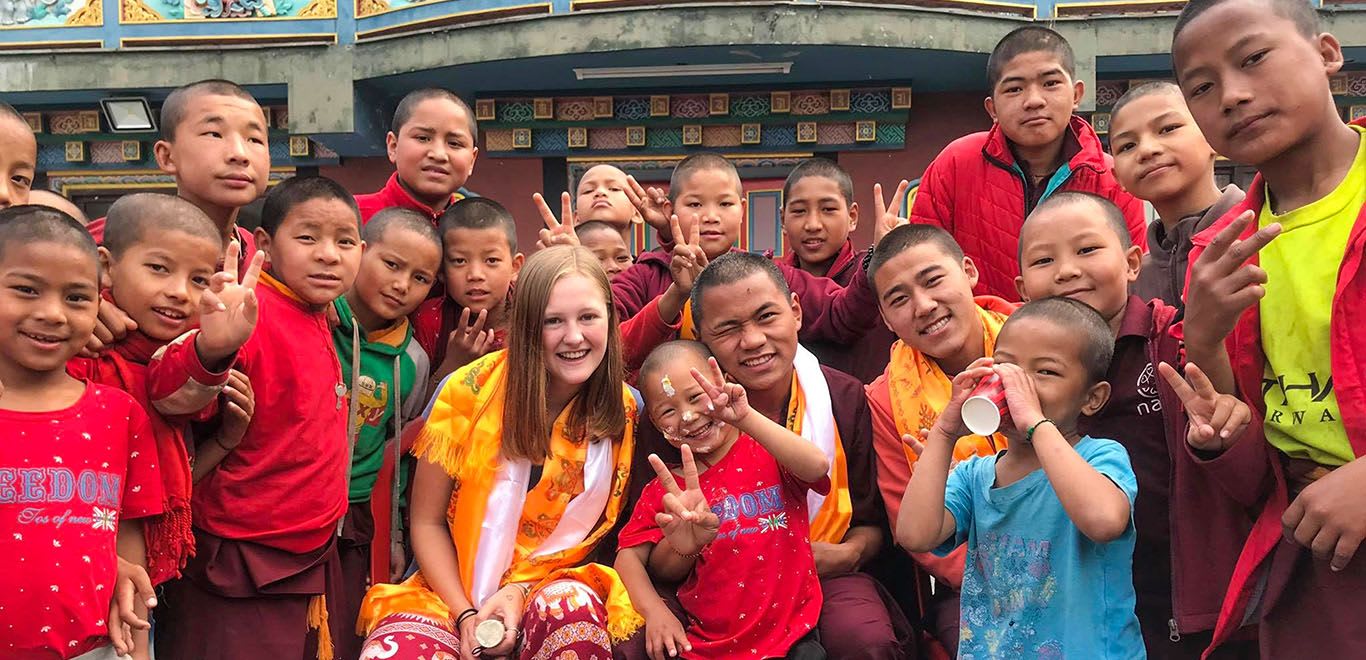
[1034, 586]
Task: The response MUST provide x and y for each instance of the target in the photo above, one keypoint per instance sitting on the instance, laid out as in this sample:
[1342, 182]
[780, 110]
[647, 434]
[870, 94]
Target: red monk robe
[266, 518]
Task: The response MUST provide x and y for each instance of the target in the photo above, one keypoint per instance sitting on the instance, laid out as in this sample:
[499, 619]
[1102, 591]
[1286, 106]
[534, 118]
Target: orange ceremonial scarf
[919, 389]
[464, 435]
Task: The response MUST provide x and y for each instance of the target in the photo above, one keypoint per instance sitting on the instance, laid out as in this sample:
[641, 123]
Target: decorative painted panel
[743, 121]
[51, 13]
[156, 11]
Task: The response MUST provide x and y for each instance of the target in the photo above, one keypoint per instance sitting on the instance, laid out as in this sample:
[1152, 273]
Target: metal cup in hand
[489, 633]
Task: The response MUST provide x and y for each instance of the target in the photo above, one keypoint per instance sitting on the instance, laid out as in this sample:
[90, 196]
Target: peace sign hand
[1222, 282]
[889, 215]
[687, 521]
[1216, 420]
[468, 341]
[652, 203]
[556, 232]
[726, 402]
[228, 310]
[688, 257]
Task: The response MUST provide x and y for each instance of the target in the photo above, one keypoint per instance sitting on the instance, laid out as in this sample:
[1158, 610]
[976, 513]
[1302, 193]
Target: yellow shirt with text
[1302, 415]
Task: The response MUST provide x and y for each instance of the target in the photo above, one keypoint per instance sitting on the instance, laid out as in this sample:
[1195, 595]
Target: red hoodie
[1250, 470]
[976, 191]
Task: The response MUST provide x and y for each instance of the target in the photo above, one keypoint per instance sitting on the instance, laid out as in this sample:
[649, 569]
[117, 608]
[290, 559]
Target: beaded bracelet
[1029, 435]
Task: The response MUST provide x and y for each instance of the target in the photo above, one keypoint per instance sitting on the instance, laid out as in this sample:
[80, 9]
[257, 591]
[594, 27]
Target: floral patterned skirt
[564, 620]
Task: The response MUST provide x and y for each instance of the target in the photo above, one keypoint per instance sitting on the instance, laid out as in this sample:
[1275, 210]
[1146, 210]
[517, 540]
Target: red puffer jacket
[975, 190]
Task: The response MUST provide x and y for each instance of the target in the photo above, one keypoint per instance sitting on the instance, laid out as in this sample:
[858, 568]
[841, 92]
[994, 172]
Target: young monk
[745, 507]
[18, 157]
[602, 197]
[819, 214]
[706, 188]
[214, 143]
[433, 143]
[750, 320]
[924, 285]
[530, 489]
[267, 518]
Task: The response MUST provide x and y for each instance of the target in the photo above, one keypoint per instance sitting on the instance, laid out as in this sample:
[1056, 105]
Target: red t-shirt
[754, 592]
[67, 478]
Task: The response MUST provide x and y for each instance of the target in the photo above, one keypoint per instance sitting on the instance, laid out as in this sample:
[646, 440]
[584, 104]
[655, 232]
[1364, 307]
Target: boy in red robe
[267, 518]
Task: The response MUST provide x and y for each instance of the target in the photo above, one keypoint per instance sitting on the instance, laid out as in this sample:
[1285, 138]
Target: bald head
[671, 353]
[54, 201]
[140, 217]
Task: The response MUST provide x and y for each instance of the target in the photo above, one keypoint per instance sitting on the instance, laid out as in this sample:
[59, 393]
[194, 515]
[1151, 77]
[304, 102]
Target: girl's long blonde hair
[598, 411]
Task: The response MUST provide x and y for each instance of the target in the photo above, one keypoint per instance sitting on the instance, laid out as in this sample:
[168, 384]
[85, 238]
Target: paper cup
[986, 407]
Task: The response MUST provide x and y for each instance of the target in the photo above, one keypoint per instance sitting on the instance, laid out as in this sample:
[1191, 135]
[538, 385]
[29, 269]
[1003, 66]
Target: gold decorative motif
[90, 121]
[132, 150]
[901, 98]
[298, 146]
[602, 107]
[485, 109]
[521, 138]
[806, 131]
[750, 133]
[91, 14]
[543, 109]
[780, 103]
[136, 11]
[635, 136]
[1338, 84]
[865, 131]
[370, 7]
[578, 137]
[319, 9]
[692, 135]
[75, 152]
[34, 121]
[839, 100]
[718, 104]
[1100, 121]
[659, 106]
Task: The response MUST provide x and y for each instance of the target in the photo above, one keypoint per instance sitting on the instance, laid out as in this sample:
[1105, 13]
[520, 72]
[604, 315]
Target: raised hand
[687, 521]
[889, 215]
[688, 257]
[1223, 283]
[228, 310]
[556, 232]
[1022, 397]
[1215, 420]
[469, 341]
[950, 420]
[726, 402]
[653, 205]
